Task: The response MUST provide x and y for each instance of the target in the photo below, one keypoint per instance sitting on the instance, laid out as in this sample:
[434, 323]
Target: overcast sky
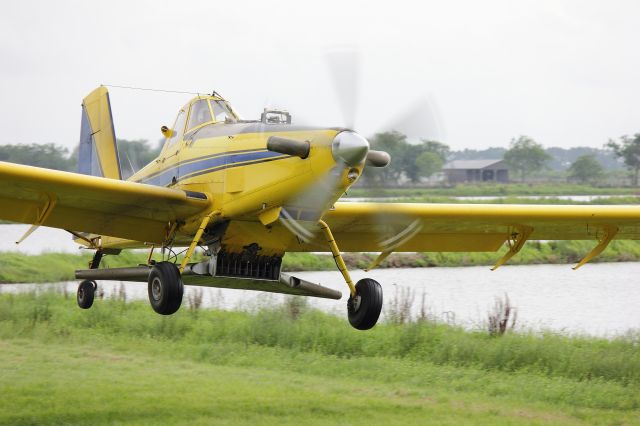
[566, 73]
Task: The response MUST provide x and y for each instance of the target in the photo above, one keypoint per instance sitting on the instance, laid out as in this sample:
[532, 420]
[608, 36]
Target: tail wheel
[364, 309]
[86, 292]
[165, 288]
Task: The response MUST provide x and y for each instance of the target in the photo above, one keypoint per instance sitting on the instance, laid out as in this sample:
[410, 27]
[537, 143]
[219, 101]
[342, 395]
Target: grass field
[490, 189]
[121, 363]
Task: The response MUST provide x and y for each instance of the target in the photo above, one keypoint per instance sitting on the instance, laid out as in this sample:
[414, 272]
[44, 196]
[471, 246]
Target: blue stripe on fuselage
[206, 165]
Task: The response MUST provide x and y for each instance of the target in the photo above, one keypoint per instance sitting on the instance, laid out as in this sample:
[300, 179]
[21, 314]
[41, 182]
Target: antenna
[151, 90]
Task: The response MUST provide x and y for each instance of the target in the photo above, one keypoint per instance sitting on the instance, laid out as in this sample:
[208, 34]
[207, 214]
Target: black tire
[86, 293]
[165, 288]
[364, 310]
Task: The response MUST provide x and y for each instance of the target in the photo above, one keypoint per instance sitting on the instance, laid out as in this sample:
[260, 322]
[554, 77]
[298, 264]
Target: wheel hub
[356, 303]
[156, 289]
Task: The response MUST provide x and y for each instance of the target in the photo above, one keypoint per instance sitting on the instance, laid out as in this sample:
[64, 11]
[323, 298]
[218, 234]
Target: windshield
[200, 114]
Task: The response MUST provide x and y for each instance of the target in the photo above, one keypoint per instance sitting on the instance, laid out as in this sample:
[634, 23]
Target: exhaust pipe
[378, 158]
[288, 146]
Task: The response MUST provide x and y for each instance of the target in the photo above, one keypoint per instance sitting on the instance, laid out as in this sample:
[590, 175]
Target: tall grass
[294, 326]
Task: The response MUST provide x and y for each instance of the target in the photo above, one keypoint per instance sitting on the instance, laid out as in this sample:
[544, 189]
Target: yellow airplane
[247, 192]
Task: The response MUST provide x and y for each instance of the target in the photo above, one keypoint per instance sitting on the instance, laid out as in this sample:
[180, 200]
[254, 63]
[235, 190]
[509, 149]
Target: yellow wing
[92, 204]
[467, 227]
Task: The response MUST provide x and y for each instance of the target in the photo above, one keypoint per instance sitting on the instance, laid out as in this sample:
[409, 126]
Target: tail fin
[98, 153]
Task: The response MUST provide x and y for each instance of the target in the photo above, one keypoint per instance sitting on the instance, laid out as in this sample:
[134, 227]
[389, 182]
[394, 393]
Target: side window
[178, 129]
[221, 112]
[199, 114]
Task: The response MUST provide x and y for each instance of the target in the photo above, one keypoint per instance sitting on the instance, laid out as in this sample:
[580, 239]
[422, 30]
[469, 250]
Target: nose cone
[350, 148]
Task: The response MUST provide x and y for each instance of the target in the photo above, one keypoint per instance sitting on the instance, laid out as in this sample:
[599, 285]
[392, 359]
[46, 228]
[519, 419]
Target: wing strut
[382, 256]
[515, 241]
[396, 241]
[196, 239]
[604, 238]
[46, 211]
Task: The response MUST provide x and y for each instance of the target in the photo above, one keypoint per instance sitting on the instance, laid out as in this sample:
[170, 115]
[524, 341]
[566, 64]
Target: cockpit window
[200, 114]
[222, 112]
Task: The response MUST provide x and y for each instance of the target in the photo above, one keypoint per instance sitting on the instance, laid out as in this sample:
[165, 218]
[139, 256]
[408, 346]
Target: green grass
[52, 267]
[18, 267]
[501, 190]
[533, 253]
[515, 200]
[121, 363]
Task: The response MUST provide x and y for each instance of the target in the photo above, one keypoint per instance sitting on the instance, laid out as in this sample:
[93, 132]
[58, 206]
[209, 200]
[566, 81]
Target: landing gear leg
[365, 303]
[87, 288]
[97, 258]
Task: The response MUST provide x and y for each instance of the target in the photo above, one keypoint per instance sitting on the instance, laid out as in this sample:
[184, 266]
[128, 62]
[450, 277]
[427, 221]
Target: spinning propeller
[348, 148]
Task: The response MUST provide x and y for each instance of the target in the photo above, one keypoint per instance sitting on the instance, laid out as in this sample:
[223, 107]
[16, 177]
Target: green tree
[585, 169]
[429, 163]
[414, 168]
[135, 154]
[409, 164]
[629, 150]
[525, 156]
[442, 150]
[48, 155]
[404, 159]
[396, 145]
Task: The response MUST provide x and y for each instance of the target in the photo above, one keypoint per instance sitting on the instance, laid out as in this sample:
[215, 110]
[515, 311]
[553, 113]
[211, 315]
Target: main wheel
[165, 288]
[86, 291]
[364, 309]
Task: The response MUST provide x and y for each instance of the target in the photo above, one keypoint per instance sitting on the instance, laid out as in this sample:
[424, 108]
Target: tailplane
[98, 153]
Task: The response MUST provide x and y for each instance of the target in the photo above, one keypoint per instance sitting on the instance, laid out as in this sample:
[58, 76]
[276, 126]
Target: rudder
[98, 152]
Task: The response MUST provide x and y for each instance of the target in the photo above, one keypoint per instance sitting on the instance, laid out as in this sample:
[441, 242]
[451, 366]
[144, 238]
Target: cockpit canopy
[207, 111]
[199, 112]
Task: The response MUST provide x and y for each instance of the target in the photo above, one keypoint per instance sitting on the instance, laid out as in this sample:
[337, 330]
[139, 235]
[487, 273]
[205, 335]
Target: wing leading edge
[92, 204]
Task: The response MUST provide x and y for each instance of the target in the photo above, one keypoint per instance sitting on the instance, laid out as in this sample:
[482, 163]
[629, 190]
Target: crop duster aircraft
[247, 192]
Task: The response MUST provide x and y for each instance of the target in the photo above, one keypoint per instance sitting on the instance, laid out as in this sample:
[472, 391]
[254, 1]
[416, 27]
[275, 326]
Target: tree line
[524, 157]
[134, 154]
[411, 162]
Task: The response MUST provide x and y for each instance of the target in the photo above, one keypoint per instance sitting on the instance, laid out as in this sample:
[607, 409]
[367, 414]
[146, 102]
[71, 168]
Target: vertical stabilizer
[98, 153]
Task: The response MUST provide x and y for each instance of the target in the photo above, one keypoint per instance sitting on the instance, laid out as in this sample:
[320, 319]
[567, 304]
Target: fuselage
[230, 163]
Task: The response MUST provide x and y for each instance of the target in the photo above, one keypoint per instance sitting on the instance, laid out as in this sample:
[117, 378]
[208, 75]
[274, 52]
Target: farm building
[460, 171]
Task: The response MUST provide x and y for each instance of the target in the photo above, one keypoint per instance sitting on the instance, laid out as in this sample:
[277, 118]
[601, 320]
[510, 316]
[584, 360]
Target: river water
[599, 299]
